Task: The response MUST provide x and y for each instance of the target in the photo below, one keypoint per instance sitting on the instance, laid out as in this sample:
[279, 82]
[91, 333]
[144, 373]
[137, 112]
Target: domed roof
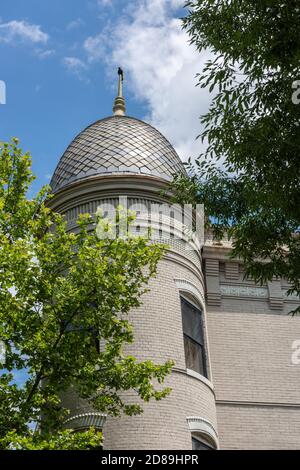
[117, 144]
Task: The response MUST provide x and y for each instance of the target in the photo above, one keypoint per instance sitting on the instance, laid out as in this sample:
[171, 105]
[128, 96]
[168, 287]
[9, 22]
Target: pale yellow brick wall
[252, 369]
[258, 427]
[158, 336]
[163, 425]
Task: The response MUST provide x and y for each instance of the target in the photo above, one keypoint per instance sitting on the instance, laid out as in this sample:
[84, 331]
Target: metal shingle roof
[113, 145]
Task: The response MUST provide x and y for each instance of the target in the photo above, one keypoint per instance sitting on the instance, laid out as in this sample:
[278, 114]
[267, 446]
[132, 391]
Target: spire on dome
[119, 105]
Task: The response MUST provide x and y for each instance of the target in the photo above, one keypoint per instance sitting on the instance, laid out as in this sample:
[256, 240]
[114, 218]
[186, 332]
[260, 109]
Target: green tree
[249, 175]
[62, 295]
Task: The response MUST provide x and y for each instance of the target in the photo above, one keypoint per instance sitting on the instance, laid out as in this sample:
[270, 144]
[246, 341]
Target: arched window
[201, 443]
[85, 421]
[203, 433]
[193, 337]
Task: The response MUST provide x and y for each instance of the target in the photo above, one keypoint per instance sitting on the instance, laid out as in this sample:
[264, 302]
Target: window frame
[201, 345]
[203, 442]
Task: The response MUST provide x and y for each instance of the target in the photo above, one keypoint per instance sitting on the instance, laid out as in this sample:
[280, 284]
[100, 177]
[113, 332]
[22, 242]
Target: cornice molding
[108, 186]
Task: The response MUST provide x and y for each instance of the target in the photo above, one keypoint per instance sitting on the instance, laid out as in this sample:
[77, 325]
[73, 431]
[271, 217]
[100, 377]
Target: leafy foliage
[62, 440]
[64, 300]
[249, 175]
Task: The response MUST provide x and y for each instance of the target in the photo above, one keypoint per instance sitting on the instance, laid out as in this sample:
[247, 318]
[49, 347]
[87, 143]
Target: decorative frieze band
[244, 291]
[232, 286]
[292, 297]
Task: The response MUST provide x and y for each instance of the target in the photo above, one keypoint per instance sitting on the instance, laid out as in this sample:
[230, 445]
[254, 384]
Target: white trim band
[201, 425]
[184, 285]
[85, 420]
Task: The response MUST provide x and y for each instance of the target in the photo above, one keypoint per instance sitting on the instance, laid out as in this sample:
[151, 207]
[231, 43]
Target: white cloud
[104, 3]
[96, 47]
[74, 24]
[73, 63]
[15, 31]
[45, 54]
[75, 66]
[160, 67]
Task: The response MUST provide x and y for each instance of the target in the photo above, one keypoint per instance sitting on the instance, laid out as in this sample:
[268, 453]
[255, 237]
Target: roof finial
[119, 106]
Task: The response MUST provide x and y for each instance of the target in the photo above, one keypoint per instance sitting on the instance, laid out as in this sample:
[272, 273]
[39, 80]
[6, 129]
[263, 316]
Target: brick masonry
[158, 336]
[256, 383]
[255, 401]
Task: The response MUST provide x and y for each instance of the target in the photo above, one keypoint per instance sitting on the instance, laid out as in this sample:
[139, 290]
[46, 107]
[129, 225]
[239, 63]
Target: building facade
[235, 383]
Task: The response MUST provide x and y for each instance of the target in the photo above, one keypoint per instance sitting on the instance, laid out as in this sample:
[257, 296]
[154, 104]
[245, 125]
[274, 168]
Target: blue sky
[59, 59]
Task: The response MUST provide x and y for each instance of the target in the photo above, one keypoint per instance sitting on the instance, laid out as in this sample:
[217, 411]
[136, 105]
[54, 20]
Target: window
[198, 444]
[193, 337]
